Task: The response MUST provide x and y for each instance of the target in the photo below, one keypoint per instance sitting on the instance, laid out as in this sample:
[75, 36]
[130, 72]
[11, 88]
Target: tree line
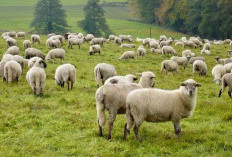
[207, 18]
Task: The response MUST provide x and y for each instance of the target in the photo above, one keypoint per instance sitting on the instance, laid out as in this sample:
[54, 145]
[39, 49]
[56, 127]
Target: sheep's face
[148, 78]
[190, 87]
[217, 81]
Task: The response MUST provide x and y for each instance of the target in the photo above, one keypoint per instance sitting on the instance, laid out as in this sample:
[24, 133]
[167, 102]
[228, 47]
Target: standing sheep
[169, 65]
[193, 59]
[26, 44]
[88, 37]
[226, 81]
[21, 34]
[141, 51]
[75, 41]
[35, 38]
[33, 52]
[205, 52]
[117, 41]
[5, 59]
[200, 67]
[228, 67]
[13, 50]
[218, 72]
[168, 50]
[94, 49]
[190, 44]
[181, 60]
[11, 42]
[186, 53]
[127, 55]
[112, 37]
[12, 71]
[121, 79]
[55, 53]
[157, 105]
[65, 73]
[157, 51]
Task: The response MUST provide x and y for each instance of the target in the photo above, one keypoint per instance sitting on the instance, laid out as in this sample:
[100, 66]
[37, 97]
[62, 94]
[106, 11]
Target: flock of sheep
[121, 94]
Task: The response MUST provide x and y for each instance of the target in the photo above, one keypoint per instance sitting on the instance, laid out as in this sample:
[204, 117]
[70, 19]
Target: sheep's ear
[139, 74]
[198, 85]
[183, 84]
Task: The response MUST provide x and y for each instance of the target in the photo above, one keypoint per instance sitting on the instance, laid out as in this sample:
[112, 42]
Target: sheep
[121, 79]
[168, 50]
[20, 60]
[99, 41]
[217, 42]
[186, 53]
[112, 97]
[146, 41]
[163, 38]
[80, 35]
[190, 44]
[158, 51]
[51, 34]
[112, 37]
[165, 43]
[229, 53]
[35, 38]
[55, 53]
[53, 43]
[65, 73]
[21, 34]
[181, 60]
[26, 44]
[231, 43]
[117, 41]
[5, 59]
[183, 39]
[227, 41]
[157, 105]
[72, 36]
[193, 59]
[196, 41]
[206, 52]
[139, 39]
[32, 52]
[206, 46]
[218, 72]
[223, 61]
[226, 81]
[36, 77]
[228, 60]
[11, 42]
[13, 50]
[154, 44]
[32, 61]
[200, 67]
[94, 49]
[75, 41]
[127, 55]
[125, 38]
[228, 67]
[127, 46]
[103, 71]
[179, 43]
[89, 37]
[12, 71]
[169, 65]
[141, 51]
[12, 34]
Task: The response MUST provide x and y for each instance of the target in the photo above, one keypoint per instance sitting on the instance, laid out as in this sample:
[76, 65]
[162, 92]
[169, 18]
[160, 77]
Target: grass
[64, 123]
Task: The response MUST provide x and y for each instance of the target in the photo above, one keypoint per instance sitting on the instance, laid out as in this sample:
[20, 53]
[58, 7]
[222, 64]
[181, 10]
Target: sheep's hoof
[41, 95]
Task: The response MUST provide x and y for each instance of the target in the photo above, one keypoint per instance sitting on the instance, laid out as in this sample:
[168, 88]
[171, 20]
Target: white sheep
[117, 41]
[12, 71]
[94, 49]
[53, 43]
[103, 71]
[165, 43]
[228, 67]
[125, 38]
[181, 60]
[193, 59]
[139, 39]
[32, 61]
[32, 52]
[231, 43]
[168, 50]
[11, 42]
[121, 79]
[157, 105]
[20, 60]
[12, 34]
[141, 51]
[55, 53]
[112, 97]
[127, 55]
[229, 53]
[154, 44]
[227, 41]
[127, 46]
[169, 65]
[5, 59]
[179, 43]
[157, 51]
[218, 72]
[51, 34]
[223, 61]
[99, 41]
[186, 53]
[226, 81]
[64, 74]
[26, 44]
[80, 35]
[190, 44]
[88, 37]
[163, 38]
[206, 46]
[13, 50]
[200, 67]
[196, 41]
[21, 34]
[112, 37]
[35, 38]
[205, 52]
[146, 41]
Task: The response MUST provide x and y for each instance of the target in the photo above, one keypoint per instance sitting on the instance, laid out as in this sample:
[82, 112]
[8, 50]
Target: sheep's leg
[126, 132]
[100, 130]
[112, 116]
[177, 128]
[53, 60]
[166, 72]
[229, 92]
[34, 90]
[68, 85]
[79, 47]
[220, 93]
[71, 85]
[136, 130]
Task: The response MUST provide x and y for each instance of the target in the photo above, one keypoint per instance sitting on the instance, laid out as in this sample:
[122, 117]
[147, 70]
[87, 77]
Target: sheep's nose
[190, 92]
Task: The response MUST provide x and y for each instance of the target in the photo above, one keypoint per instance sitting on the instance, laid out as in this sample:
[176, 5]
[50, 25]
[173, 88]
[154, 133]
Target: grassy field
[64, 123]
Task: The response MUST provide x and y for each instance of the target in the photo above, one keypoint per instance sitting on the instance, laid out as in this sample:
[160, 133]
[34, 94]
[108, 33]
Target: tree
[49, 17]
[94, 21]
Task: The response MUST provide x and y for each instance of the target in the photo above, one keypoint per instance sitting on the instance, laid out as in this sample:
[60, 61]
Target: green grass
[64, 123]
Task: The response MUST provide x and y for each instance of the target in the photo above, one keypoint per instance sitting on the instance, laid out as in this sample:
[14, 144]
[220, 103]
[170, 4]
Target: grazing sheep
[139, 39]
[121, 79]
[141, 51]
[229, 53]
[11, 42]
[168, 50]
[127, 55]
[5, 59]
[165, 43]
[181, 60]
[218, 72]
[205, 52]
[21, 34]
[89, 37]
[12, 34]
[99, 41]
[32, 61]
[12, 71]
[53, 43]
[190, 44]
[35, 38]
[228, 67]
[179, 43]
[33, 52]
[158, 51]
[75, 41]
[193, 59]
[80, 35]
[196, 41]
[206, 46]
[65, 73]
[146, 41]
[169, 65]
[55, 53]
[163, 38]
[117, 41]
[227, 41]
[183, 39]
[112, 97]
[226, 81]
[125, 38]
[103, 71]
[228, 60]
[219, 60]
[20, 60]
[186, 53]
[51, 34]
[127, 46]
[13, 50]
[200, 67]
[112, 37]
[157, 105]
[94, 49]
[57, 37]
[26, 44]
[36, 77]
[154, 44]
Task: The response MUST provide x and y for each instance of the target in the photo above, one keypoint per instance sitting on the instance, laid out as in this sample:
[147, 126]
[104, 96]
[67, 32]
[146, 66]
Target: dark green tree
[49, 17]
[94, 21]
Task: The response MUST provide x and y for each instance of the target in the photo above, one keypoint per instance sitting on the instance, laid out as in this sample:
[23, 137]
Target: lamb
[65, 73]
[88, 37]
[218, 72]
[127, 55]
[32, 52]
[158, 51]
[12, 71]
[35, 38]
[186, 53]
[157, 105]
[26, 44]
[112, 37]
[168, 50]
[228, 67]
[11, 42]
[163, 38]
[103, 71]
[117, 41]
[193, 59]
[181, 60]
[32, 61]
[190, 44]
[36, 77]
[206, 52]
[165, 43]
[127, 46]
[200, 67]
[94, 49]
[121, 79]
[55, 53]
[179, 43]
[226, 81]
[169, 65]
[206, 46]
[141, 51]
[112, 97]
[21, 34]
[13, 50]
[125, 38]
[75, 41]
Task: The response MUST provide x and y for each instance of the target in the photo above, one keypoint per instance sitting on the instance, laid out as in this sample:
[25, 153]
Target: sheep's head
[147, 79]
[40, 63]
[217, 59]
[131, 78]
[217, 81]
[190, 87]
